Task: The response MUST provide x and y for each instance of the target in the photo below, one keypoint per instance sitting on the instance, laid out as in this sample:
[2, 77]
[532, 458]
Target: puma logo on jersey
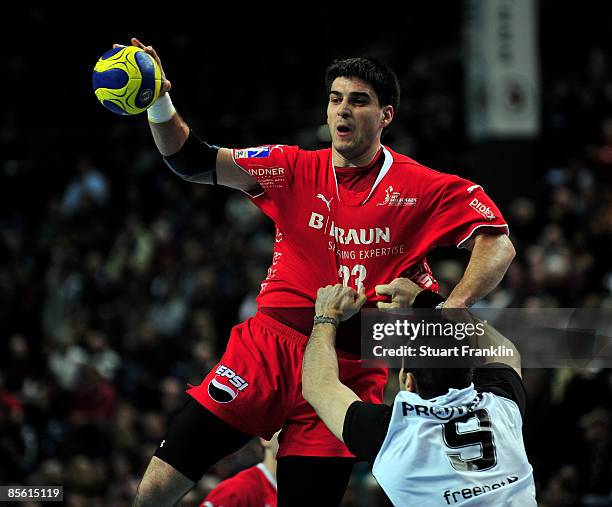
[473, 187]
[327, 203]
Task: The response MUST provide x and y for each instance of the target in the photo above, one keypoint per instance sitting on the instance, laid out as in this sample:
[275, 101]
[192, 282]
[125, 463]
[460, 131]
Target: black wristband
[427, 299]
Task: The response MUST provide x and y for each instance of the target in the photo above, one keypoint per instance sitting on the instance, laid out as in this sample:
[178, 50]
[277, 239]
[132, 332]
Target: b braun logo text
[347, 236]
[481, 208]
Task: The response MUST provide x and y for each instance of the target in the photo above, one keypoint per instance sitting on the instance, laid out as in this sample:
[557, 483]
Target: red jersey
[321, 240]
[253, 487]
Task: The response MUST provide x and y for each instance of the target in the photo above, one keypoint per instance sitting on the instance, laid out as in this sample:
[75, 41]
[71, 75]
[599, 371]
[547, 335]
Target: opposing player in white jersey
[452, 436]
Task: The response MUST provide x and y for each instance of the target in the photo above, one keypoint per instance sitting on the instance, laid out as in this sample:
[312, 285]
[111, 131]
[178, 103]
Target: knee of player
[150, 493]
[147, 494]
[161, 485]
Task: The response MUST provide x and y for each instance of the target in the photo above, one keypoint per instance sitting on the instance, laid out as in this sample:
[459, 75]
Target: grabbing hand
[166, 85]
[402, 292]
[339, 302]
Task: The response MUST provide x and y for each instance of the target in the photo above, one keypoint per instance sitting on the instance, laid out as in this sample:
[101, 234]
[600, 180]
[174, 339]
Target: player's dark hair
[380, 77]
[432, 382]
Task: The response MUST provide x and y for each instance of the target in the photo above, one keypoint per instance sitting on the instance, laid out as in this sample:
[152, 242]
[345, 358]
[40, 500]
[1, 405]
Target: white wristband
[162, 110]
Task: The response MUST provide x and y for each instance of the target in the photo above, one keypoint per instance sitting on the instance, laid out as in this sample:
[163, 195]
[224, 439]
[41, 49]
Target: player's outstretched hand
[339, 302]
[166, 85]
[402, 292]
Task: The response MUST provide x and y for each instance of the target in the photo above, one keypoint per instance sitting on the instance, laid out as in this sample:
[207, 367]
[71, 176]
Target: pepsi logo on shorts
[226, 385]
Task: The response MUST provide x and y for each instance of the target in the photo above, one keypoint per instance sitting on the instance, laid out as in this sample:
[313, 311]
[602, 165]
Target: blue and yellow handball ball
[127, 80]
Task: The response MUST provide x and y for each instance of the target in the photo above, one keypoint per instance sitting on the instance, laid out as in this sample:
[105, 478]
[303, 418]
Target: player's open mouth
[343, 130]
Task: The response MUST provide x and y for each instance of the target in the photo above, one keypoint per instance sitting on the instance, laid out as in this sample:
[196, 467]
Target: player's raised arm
[188, 156]
[321, 386]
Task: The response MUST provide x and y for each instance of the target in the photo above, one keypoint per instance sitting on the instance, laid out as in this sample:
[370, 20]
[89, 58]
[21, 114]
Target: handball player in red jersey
[356, 213]
[253, 487]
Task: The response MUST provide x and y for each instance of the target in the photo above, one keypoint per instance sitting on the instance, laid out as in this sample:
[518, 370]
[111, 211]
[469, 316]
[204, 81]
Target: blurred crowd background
[119, 282]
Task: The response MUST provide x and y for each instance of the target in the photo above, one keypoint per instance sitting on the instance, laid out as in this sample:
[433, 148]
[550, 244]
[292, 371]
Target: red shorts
[257, 388]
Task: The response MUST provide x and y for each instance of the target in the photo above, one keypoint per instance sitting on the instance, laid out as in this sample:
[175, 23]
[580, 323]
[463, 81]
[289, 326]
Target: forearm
[321, 386]
[170, 136]
[320, 364]
[490, 259]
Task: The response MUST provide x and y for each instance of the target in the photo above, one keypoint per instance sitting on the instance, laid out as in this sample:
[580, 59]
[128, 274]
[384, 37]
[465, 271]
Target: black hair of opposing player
[433, 382]
[375, 73]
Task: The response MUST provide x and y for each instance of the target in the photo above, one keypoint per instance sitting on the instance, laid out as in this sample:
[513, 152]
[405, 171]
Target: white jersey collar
[383, 171]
